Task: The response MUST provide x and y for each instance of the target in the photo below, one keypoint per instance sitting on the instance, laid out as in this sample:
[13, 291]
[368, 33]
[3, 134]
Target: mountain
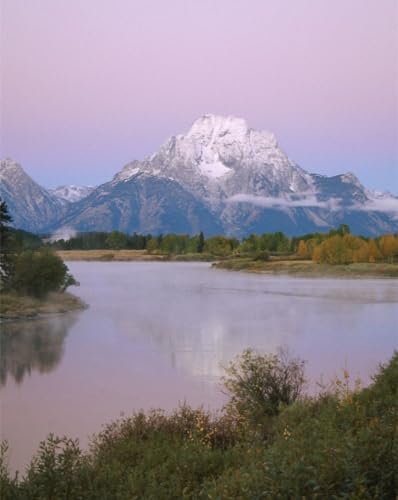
[224, 177]
[144, 204]
[249, 184]
[220, 157]
[31, 206]
[71, 193]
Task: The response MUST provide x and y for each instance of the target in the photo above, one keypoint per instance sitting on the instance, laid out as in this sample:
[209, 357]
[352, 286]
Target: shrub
[342, 443]
[260, 384]
[262, 256]
[41, 272]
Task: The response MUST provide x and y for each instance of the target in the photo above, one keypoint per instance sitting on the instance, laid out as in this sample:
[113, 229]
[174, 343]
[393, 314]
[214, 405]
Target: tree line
[164, 244]
[342, 247]
[337, 246]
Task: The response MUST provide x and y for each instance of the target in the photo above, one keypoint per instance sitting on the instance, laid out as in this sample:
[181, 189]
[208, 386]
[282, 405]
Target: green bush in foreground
[340, 444]
[261, 385]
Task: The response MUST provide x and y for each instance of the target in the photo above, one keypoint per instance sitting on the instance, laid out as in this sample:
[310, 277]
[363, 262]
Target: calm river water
[157, 334]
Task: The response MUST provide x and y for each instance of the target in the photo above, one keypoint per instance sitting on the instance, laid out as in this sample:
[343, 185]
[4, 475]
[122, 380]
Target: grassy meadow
[309, 268]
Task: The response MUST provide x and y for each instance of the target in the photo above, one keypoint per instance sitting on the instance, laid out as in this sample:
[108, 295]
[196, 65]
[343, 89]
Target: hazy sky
[89, 85]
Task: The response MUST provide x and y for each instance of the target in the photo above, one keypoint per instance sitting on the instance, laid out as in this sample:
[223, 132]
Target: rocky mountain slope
[144, 204]
[224, 177]
[71, 193]
[32, 207]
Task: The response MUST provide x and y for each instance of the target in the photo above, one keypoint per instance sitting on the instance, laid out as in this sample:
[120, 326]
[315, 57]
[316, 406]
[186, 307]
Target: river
[157, 334]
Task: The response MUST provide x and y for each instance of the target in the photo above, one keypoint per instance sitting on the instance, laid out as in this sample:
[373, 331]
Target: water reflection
[200, 319]
[156, 334]
[38, 345]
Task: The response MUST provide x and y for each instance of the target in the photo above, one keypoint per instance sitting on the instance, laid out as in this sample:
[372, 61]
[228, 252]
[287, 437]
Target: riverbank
[15, 307]
[275, 266]
[307, 268]
[130, 256]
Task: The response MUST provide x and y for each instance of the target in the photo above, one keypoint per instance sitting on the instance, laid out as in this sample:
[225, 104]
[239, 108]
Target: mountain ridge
[226, 177]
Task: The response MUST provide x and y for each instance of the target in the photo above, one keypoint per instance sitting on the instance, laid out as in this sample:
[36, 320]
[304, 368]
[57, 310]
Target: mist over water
[157, 334]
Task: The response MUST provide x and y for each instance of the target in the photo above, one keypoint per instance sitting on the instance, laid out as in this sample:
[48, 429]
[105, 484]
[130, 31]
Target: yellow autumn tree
[316, 253]
[302, 250]
[388, 245]
[332, 251]
[341, 250]
[374, 252]
[361, 253]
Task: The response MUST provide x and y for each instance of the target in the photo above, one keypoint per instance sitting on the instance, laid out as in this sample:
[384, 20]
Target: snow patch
[214, 170]
[126, 173]
[71, 193]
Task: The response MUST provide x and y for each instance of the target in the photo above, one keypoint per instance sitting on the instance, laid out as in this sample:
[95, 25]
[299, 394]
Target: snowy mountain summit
[219, 144]
[220, 157]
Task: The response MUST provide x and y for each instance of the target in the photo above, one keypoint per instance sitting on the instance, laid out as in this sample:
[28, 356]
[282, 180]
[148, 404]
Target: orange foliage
[346, 249]
[302, 250]
[388, 245]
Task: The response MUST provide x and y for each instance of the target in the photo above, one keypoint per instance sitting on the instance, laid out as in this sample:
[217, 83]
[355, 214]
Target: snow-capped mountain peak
[30, 205]
[221, 156]
[219, 177]
[214, 139]
[210, 129]
[9, 168]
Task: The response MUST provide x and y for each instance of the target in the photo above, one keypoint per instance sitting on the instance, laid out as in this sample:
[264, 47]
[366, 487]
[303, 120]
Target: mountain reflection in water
[38, 345]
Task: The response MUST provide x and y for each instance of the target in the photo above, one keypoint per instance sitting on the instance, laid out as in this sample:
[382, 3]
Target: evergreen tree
[6, 253]
[201, 242]
[116, 240]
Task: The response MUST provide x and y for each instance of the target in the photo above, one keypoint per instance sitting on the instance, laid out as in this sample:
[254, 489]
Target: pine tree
[201, 242]
[6, 251]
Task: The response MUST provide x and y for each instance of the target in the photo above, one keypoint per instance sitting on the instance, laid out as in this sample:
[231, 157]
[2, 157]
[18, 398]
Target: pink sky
[88, 86]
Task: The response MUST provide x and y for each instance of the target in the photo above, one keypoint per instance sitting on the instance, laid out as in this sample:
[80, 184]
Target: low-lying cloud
[295, 201]
[64, 233]
[380, 205]
[386, 205]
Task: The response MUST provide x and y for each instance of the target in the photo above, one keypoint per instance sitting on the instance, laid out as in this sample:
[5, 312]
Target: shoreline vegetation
[105, 255]
[309, 269]
[269, 441]
[14, 307]
[337, 253]
[33, 279]
[283, 265]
